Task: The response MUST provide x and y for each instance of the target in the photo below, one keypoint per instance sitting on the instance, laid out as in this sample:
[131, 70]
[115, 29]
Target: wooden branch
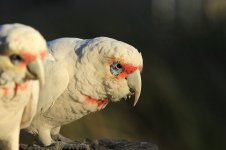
[102, 144]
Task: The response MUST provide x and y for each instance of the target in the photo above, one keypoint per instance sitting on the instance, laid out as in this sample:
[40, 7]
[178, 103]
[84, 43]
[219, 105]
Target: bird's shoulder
[60, 48]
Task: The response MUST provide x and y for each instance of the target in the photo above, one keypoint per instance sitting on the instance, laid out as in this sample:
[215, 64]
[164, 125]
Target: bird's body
[20, 67]
[80, 80]
[13, 103]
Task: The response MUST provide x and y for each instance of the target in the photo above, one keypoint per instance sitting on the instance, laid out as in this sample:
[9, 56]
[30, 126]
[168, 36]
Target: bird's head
[22, 49]
[109, 69]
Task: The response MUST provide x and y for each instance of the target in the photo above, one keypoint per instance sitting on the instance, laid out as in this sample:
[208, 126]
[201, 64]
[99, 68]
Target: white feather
[77, 68]
[17, 107]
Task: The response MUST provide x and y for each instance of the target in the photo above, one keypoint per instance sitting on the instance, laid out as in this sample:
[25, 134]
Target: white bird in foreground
[82, 76]
[22, 49]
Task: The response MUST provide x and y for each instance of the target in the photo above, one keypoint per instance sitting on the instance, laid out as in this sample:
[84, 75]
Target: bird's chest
[9, 121]
[66, 110]
[12, 103]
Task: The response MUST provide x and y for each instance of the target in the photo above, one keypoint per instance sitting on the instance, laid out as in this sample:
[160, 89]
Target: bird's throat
[18, 88]
[97, 102]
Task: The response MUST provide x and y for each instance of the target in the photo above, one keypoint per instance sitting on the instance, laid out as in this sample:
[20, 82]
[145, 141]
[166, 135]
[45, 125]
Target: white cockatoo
[82, 76]
[22, 49]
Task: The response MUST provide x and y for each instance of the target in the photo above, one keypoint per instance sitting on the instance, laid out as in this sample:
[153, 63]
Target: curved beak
[134, 82]
[35, 70]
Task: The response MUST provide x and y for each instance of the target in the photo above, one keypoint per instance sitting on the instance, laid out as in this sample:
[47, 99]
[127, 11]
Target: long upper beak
[36, 71]
[134, 82]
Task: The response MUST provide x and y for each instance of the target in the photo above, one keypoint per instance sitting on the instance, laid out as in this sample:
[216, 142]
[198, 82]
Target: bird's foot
[59, 137]
[68, 144]
[71, 146]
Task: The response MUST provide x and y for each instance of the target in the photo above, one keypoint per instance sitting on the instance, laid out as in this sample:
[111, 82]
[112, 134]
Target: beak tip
[134, 82]
[135, 102]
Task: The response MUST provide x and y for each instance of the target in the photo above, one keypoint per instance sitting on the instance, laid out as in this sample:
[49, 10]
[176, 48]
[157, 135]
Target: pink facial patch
[21, 87]
[98, 103]
[28, 57]
[5, 91]
[128, 69]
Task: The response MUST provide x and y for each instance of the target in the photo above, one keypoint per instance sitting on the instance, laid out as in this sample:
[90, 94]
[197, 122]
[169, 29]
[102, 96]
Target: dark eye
[15, 59]
[116, 68]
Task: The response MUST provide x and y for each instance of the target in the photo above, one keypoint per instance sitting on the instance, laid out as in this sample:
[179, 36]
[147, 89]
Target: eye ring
[116, 68]
[15, 59]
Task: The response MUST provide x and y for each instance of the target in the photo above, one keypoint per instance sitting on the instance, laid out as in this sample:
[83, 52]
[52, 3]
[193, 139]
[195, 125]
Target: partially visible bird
[22, 50]
[82, 76]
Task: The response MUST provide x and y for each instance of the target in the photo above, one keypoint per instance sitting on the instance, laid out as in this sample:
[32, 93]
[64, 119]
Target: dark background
[183, 43]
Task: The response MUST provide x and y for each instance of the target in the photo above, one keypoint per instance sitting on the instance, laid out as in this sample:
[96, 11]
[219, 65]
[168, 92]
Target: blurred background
[183, 43]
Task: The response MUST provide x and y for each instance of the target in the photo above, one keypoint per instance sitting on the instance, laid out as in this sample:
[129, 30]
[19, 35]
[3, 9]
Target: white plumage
[22, 49]
[82, 76]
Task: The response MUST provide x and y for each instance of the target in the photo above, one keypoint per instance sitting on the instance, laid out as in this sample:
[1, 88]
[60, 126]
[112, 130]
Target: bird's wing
[31, 107]
[56, 77]
[56, 71]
